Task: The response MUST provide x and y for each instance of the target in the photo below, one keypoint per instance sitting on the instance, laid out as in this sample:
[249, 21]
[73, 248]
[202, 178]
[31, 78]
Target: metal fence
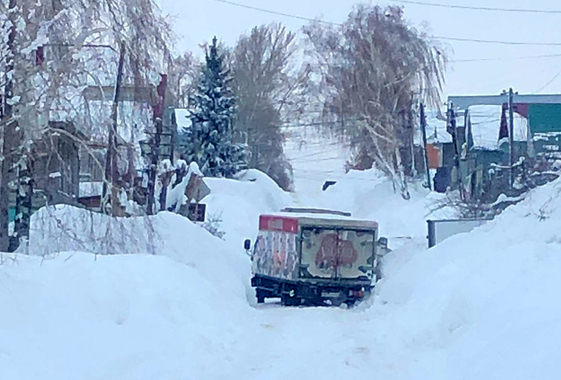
[440, 230]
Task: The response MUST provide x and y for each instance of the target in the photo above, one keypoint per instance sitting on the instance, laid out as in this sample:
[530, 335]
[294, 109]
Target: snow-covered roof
[90, 189]
[436, 128]
[486, 124]
[93, 117]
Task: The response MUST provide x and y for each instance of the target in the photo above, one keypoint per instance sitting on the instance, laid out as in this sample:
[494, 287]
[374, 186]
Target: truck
[315, 256]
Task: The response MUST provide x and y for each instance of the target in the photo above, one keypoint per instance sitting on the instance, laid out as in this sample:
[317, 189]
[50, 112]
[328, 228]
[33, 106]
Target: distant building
[468, 143]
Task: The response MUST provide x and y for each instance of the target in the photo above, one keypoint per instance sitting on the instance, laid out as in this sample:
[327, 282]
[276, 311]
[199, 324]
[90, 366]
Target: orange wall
[433, 154]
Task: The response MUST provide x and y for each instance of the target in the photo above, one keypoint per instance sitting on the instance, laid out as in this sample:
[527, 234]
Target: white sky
[196, 21]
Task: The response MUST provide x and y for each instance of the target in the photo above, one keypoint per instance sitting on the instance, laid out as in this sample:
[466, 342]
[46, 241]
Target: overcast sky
[196, 21]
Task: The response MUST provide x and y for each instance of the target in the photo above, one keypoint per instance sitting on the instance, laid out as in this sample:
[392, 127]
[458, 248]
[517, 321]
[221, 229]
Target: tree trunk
[400, 170]
[151, 205]
[111, 169]
[158, 116]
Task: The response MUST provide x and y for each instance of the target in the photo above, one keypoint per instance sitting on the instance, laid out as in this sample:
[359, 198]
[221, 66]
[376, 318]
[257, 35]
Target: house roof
[485, 126]
[90, 189]
[465, 102]
[436, 127]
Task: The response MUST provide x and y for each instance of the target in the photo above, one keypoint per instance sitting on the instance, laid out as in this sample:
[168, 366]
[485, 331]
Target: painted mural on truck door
[363, 244]
[331, 253]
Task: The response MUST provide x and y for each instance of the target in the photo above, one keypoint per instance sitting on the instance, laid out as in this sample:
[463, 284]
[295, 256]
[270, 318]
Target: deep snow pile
[239, 202]
[64, 228]
[116, 317]
[171, 303]
[74, 315]
[481, 305]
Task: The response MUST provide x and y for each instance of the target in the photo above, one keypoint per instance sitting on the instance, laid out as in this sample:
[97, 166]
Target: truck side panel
[275, 253]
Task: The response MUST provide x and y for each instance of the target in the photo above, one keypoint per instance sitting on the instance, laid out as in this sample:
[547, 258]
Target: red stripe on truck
[278, 223]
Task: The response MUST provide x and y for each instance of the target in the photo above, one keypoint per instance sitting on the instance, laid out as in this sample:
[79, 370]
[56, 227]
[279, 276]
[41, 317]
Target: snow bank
[116, 317]
[238, 203]
[75, 315]
[171, 303]
[481, 305]
[69, 229]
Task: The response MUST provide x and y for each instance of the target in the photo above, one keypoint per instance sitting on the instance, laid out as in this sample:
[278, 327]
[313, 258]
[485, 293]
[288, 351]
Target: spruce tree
[209, 140]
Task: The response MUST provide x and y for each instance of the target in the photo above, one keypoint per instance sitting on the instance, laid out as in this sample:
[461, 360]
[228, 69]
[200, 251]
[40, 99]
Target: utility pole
[453, 131]
[111, 169]
[158, 115]
[511, 136]
[424, 131]
[11, 140]
[173, 137]
[131, 168]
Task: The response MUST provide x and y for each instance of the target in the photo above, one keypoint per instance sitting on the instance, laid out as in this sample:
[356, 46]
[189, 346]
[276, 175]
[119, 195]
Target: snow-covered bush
[213, 224]
[177, 196]
[62, 228]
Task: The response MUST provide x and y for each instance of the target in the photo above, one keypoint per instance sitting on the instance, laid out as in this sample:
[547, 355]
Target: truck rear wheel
[290, 301]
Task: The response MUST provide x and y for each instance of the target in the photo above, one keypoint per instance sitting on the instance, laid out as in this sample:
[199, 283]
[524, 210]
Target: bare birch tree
[372, 69]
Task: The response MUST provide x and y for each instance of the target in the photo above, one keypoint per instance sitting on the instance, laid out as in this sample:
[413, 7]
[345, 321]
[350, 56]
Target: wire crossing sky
[490, 46]
[473, 8]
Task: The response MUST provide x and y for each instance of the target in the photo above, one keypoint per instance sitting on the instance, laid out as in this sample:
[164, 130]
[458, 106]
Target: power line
[276, 12]
[320, 123]
[315, 154]
[548, 83]
[474, 8]
[456, 39]
[320, 160]
[504, 58]
[498, 42]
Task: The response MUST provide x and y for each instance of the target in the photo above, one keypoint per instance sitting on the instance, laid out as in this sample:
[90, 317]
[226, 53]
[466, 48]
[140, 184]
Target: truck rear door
[356, 254]
[337, 253]
[319, 253]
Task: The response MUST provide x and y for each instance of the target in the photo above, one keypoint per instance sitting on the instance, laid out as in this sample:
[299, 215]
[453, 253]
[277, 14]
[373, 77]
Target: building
[469, 147]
